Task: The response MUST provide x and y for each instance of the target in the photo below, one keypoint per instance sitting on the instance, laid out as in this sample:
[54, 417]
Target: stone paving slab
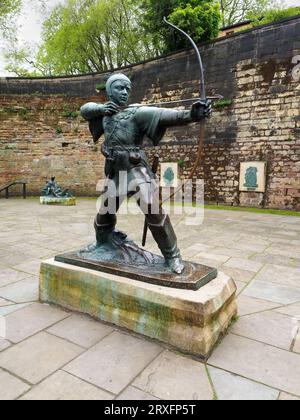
[229, 387]
[64, 387]
[284, 250]
[296, 348]
[246, 265]
[268, 327]
[11, 387]
[4, 344]
[268, 365]
[114, 362]
[217, 258]
[232, 252]
[249, 241]
[6, 310]
[3, 252]
[37, 357]
[4, 302]
[14, 259]
[272, 292]
[291, 310]
[30, 267]
[276, 259]
[172, 376]
[9, 276]
[238, 274]
[248, 305]
[286, 276]
[31, 320]
[248, 246]
[287, 397]
[23, 291]
[240, 286]
[81, 330]
[133, 394]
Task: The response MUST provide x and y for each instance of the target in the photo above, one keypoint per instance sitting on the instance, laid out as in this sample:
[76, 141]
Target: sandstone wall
[255, 71]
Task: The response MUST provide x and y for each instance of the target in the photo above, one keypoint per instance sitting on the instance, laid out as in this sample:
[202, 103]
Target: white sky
[31, 19]
[30, 23]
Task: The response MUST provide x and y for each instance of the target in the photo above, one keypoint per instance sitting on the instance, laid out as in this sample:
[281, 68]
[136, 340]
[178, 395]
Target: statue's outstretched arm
[173, 118]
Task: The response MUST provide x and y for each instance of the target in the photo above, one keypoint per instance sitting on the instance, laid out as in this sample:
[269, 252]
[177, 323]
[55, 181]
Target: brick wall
[255, 71]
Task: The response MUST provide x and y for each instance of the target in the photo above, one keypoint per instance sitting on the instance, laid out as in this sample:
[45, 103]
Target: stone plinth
[53, 201]
[191, 321]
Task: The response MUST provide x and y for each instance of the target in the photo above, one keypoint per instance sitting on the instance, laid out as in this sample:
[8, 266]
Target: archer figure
[124, 130]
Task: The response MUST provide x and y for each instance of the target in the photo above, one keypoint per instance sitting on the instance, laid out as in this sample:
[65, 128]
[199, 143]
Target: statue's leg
[161, 228]
[105, 221]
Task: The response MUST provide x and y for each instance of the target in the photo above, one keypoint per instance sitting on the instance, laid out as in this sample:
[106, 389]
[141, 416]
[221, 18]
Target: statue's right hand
[110, 108]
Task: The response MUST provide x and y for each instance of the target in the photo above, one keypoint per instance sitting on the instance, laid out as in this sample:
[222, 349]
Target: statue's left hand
[201, 109]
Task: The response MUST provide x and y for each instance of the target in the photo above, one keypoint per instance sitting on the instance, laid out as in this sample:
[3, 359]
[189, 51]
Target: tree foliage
[275, 15]
[235, 11]
[8, 9]
[81, 36]
[93, 36]
[199, 18]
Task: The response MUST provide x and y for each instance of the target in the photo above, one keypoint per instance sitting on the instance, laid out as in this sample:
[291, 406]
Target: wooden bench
[7, 187]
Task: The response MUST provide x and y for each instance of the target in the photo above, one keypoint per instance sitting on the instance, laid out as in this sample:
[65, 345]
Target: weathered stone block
[191, 321]
[51, 201]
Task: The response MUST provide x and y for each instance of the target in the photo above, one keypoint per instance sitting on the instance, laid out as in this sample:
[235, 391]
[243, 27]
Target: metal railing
[7, 187]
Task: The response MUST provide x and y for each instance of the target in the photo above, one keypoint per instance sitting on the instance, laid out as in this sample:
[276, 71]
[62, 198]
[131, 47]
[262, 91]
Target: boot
[165, 237]
[104, 227]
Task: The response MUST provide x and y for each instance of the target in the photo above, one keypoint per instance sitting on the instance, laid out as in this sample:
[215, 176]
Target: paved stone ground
[49, 353]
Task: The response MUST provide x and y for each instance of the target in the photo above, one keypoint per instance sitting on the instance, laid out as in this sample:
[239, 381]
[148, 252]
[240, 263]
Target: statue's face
[120, 92]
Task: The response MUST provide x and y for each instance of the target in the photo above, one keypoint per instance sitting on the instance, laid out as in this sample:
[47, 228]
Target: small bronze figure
[124, 130]
[52, 189]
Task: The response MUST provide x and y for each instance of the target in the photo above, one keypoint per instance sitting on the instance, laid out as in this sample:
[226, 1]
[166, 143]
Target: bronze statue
[52, 189]
[124, 129]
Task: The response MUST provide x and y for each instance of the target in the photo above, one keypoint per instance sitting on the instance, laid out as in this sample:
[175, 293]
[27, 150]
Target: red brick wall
[38, 139]
[255, 70]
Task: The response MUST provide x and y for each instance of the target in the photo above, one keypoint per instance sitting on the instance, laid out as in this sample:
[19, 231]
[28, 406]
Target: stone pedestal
[53, 201]
[191, 321]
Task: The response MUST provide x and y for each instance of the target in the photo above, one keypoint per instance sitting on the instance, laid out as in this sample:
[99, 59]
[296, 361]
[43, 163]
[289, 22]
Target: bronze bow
[203, 97]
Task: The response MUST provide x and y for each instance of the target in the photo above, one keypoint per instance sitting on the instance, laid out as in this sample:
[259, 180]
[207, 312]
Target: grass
[243, 209]
[215, 395]
[255, 210]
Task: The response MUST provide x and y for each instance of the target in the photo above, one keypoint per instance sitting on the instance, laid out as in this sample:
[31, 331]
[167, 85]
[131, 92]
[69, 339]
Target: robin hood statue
[125, 128]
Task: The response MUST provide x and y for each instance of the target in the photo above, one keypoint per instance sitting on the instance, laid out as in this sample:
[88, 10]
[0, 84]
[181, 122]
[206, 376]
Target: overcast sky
[31, 19]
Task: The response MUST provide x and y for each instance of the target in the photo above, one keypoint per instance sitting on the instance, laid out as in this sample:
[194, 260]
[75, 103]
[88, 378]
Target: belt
[127, 148]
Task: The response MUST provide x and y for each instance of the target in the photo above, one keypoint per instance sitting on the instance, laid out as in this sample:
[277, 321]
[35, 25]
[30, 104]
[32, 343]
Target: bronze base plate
[194, 276]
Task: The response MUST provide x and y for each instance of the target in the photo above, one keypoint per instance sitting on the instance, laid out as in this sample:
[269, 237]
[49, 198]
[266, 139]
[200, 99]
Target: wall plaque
[169, 175]
[253, 176]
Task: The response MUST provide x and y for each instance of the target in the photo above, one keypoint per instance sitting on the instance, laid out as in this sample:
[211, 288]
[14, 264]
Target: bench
[7, 187]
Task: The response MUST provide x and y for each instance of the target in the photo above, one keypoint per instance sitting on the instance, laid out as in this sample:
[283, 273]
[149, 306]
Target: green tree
[92, 36]
[21, 59]
[8, 10]
[275, 15]
[235, 11]
[152, 21]
[200, 18]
